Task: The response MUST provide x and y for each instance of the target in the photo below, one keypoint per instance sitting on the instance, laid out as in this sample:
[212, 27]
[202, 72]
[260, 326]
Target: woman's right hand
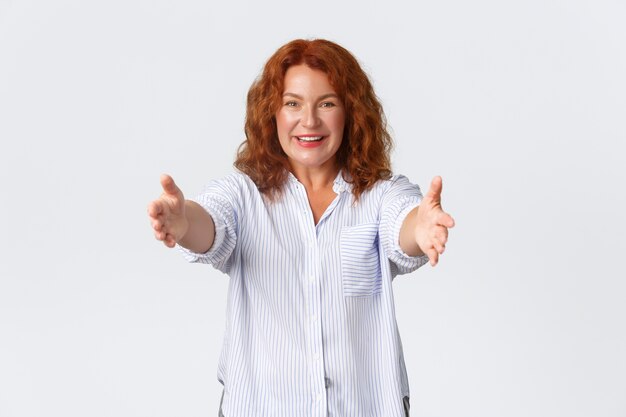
[167, 213]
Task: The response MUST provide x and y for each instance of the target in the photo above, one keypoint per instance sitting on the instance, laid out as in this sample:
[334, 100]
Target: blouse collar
[339, 184]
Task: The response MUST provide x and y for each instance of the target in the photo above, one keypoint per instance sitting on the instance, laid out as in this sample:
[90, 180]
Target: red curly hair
[366, 145]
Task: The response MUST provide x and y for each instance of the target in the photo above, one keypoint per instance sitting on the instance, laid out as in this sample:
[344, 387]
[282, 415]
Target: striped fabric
[310, 322]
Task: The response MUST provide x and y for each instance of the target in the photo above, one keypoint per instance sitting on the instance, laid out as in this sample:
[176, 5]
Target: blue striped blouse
[310, 321]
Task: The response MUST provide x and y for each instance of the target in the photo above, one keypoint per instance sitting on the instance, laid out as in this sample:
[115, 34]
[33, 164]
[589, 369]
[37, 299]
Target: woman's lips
[309, 141]
[309, 138]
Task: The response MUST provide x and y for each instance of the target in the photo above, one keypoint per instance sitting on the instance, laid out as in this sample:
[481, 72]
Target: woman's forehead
[301, 79]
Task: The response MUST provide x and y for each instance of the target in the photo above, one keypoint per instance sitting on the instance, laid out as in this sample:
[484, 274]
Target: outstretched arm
[176, 220]
[425, 228]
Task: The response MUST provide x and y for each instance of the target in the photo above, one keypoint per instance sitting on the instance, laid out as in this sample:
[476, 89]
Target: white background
[519, 105]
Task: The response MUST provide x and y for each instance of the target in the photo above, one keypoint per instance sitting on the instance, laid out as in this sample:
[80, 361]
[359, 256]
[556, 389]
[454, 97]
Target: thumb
[169, 186]
[434, 193]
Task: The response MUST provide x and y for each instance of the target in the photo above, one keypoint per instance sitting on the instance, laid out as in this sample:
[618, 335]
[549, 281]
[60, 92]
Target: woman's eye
[291, 104]
[328, 104]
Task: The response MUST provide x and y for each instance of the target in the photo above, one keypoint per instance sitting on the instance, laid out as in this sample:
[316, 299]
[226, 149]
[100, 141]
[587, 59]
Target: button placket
[313, 289]
[317, 364]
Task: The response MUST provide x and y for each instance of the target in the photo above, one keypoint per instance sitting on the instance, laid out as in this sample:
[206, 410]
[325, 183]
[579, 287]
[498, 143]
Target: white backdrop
[519, 105]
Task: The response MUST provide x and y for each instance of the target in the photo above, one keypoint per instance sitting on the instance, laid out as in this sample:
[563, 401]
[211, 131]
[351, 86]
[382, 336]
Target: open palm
[432, 224]
[167, 213]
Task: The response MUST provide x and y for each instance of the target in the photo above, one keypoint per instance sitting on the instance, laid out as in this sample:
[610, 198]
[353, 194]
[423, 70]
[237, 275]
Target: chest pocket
[360, 262]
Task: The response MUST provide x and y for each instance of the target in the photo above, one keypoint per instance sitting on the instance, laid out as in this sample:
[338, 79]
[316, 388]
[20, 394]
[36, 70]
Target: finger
[439, 246]
[169, 186]
[159, 235]
[157, 225]
[439, 237]
[444, 219]
[433, 256]
[434, 192]
[169, 241]
[441, 234]
[155, 208]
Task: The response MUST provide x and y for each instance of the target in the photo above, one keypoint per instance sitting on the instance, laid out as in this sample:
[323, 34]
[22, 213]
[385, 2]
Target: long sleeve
[401, 197]
[220, 200]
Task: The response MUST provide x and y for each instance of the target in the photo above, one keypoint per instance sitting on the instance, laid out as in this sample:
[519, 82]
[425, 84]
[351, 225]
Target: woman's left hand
[432, 223]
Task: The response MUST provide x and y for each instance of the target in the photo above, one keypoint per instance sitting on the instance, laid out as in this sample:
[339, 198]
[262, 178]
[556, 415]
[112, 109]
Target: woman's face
[310, 120]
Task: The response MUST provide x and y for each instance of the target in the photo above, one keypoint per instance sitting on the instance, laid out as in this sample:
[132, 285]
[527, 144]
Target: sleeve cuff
[224, 239]
[206, 257]
[398, 253]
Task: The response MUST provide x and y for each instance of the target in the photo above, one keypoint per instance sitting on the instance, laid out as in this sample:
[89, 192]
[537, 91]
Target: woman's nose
[310, 118]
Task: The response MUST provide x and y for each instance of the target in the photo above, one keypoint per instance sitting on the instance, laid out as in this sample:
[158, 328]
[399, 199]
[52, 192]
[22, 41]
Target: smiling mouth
[309, 138]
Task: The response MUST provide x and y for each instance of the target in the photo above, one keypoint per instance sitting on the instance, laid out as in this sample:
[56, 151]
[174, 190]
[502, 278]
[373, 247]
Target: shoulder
[235, 187]
[396, 185]
[235, 181]
[387, 194]
[394, 181]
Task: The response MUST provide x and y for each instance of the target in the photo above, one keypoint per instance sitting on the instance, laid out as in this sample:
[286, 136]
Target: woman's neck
[318, 178]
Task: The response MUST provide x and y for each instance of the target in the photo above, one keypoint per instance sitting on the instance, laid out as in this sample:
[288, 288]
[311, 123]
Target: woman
[311, 231]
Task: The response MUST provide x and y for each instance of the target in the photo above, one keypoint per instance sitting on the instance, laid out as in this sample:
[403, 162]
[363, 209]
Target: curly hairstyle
[366, 144]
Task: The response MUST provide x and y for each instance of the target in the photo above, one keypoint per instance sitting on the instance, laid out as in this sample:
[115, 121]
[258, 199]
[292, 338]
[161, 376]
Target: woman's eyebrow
[322, 97]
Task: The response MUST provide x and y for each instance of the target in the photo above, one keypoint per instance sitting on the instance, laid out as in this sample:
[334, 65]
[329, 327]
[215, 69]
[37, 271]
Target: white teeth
[310, 138]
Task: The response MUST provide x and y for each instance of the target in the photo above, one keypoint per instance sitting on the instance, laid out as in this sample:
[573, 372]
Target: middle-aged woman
[311, 229]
